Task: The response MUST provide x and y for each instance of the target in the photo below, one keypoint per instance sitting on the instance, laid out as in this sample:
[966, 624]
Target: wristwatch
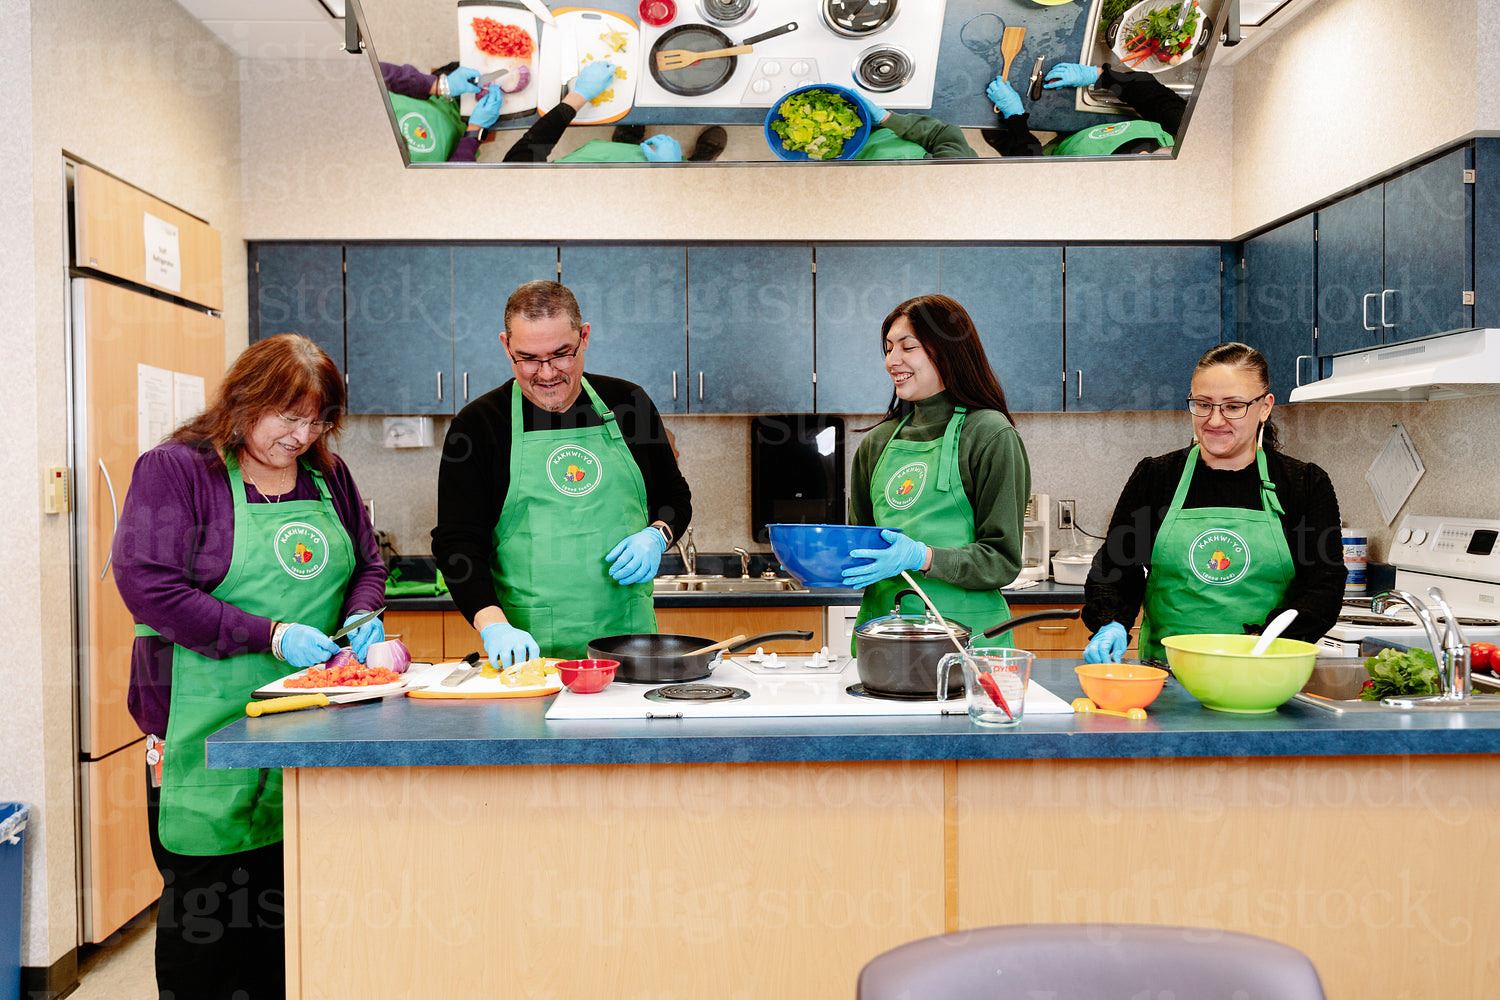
[478, 132]
[666, 535]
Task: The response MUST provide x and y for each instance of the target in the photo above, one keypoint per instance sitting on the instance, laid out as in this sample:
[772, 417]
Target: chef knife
[493, 76]
[540, 10]
[292, 703]
[1034, 90]
[356, 623]
[472, 667]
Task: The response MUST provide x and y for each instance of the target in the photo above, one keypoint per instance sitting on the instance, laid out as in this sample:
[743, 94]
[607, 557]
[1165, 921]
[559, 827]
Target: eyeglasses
[1232, 410]
[562, 361]
[292, 422]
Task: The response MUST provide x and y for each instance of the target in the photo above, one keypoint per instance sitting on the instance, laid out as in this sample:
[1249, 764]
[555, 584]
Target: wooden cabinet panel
[121, 879]
[459, 637]
[721, 623]
[1048, 638]
[421, 631]
[110, 220]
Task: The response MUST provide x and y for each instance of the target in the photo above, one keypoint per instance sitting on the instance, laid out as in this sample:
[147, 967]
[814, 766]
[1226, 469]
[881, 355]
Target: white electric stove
[1459, 556]
[789, 686]
[895, 65]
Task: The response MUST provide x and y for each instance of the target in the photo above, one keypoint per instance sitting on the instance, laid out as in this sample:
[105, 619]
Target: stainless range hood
[1449, 366]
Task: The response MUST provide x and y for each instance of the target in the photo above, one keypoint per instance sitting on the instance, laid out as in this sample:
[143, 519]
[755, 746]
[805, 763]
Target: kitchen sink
[1181, 79]
[1336, 680]
[723, 584]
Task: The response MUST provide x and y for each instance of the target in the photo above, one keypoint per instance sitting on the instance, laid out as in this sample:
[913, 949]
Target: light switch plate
[57, 493]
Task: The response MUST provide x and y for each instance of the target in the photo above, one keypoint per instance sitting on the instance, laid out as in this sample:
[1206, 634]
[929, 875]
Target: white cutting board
[594, 34]
[524, 101]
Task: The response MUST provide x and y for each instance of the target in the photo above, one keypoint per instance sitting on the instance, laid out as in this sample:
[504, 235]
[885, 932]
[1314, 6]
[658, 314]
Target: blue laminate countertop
[403, 732]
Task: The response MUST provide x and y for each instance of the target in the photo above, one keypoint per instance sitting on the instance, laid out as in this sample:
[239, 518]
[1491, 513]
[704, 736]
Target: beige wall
[144, 91]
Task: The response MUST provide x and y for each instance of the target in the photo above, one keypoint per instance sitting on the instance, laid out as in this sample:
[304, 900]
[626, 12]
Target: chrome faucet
[744, 563]
[689, 552]
[1451, 651]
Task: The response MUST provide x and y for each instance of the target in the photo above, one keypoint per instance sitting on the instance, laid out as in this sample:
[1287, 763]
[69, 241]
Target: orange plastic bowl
[587, 676]
[1118, 687]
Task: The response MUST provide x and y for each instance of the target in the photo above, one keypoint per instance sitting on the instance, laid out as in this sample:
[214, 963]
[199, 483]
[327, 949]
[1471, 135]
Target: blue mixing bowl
[852, 145]
[817, 554]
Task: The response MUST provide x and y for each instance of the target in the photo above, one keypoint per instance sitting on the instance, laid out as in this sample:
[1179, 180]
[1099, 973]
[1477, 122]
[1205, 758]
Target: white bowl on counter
[1071, 568]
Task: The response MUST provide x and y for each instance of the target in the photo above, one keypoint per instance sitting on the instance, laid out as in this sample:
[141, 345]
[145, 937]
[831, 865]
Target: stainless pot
[899, 654]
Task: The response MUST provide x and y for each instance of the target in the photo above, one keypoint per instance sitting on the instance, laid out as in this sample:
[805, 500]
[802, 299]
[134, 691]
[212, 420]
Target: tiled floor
[123, 967]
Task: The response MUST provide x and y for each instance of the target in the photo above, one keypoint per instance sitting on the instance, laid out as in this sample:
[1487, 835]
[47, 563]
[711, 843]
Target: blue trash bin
[13, 816]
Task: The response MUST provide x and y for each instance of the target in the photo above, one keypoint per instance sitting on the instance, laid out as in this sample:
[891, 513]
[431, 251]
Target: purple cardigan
[409, 81]
[172, 548]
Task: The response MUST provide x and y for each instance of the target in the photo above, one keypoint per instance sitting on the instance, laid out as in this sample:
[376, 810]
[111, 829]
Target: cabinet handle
[674, 385]
[1297, 375]
[1080, 383]
[114, 517]
[1383, 324]
[1052, 628]
[1364, 311]
[700, 386]
[466, 387]
[440, 386]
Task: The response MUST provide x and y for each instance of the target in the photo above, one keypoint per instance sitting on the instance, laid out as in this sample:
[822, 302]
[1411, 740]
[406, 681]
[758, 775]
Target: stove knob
[1403, 536]
[806, 82]
[1419, 536]
[761, 86]
[770, 67]
[800, 68]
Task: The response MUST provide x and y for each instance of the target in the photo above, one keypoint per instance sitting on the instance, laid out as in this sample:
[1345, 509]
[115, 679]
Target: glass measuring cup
[994, 683]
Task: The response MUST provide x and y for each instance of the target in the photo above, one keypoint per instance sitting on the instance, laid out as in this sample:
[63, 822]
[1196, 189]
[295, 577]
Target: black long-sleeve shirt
[475, 476]
[537, 142]
[1152, 100]
[1117, 579]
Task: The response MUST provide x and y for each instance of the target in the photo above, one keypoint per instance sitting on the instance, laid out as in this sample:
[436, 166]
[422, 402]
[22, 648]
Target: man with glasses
[1220, 536]
[557, 495]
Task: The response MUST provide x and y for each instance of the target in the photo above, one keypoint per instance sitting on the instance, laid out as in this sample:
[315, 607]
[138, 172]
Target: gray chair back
[1091, 962]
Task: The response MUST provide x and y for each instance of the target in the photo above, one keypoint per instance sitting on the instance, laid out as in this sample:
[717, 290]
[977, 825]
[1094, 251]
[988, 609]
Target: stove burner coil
[726, 11]
[1384, 621]
[866, 19]
[697, 693]
[860, 691]
[883, 68]
[1478, 622]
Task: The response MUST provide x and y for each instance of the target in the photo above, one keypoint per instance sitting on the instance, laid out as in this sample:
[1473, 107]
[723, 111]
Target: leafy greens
[1394, 673]
[816, 122]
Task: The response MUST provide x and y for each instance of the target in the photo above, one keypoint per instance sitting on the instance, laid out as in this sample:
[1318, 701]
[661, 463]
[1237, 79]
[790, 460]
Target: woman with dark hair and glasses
[946, 466]
[242, 543]
[1231, 531]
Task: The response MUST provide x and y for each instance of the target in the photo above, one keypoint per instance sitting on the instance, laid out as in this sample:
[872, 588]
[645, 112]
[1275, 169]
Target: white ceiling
[274, 29]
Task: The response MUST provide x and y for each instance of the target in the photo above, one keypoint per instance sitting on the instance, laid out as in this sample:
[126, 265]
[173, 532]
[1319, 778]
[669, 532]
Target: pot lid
[912, 627]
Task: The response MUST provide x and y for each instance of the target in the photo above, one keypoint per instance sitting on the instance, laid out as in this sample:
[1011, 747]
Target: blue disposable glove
[662, 149]
[508, 646]
[1070, 75]
[487, 109]
[1107, 645]
[637, 557]
[594, 79]
[1004, 97]
[873, 111]
[304, 646]
[905, 553]
[360, 638]
[463, 81]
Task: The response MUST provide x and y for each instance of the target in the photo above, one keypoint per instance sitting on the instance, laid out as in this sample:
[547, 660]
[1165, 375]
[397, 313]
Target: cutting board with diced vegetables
[500, 34]
[601, 35]
[479, 686]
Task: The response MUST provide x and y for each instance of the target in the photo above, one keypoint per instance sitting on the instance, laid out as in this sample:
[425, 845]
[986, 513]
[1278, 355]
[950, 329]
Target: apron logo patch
[1219, 557]
[905, 485]
[573, 471]
[301, 549]
[1104, 131]
[418, 133]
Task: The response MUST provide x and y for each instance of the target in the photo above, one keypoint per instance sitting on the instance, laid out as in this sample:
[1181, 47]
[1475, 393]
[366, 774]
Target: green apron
[908, 493]
[573, 495]
[604, 151]
[884, 144]
[1101, 140]
[291, 561]
[431, 127]
[1214, 568]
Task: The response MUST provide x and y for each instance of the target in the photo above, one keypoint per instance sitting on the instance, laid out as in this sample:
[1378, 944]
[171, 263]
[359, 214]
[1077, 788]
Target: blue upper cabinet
[634, 299]
[1351, 275]
[857, 287]
[1486, 199]
[299, 289]
[1015, 297]
[750, 321]
[1137, 320]
[399, 316]
[1427, 266]
[1278, 304]
[483, 278]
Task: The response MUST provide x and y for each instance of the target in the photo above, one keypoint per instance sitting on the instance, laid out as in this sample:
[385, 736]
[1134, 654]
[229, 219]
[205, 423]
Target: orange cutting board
[483, 687]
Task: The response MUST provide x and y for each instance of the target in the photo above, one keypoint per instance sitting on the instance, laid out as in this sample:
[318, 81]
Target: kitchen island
[473, 848]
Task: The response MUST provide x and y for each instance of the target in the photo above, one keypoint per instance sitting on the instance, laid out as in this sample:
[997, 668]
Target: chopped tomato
[496, 39]
[351, 674]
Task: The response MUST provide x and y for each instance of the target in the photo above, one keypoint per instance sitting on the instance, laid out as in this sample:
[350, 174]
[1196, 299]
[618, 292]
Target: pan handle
[784, 29]
[1035, 616]
[802, 635]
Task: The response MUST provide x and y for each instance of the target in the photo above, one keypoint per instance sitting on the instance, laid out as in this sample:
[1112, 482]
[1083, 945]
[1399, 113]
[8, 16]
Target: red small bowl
[587, 676]
[658, 12]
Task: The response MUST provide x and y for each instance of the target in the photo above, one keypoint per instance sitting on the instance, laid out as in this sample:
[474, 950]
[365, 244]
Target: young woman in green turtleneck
[945, 469]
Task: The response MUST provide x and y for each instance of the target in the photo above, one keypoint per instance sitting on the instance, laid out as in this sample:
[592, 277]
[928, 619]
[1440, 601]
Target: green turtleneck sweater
[996, 478]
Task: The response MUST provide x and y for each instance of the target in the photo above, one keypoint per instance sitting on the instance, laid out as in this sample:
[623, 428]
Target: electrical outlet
[1065, 513]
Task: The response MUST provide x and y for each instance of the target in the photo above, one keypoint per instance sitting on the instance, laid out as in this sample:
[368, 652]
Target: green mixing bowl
[1219, 671]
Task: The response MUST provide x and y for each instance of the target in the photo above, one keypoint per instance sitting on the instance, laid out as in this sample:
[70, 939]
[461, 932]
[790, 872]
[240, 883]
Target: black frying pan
[706, 75]
[658, 658]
